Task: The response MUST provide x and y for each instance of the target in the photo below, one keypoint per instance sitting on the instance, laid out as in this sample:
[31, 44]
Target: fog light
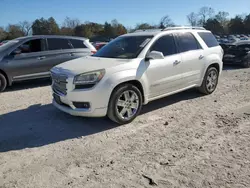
[81, 105]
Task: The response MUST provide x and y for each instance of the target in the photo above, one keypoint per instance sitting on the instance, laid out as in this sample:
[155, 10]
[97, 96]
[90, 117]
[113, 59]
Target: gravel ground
[185, 140]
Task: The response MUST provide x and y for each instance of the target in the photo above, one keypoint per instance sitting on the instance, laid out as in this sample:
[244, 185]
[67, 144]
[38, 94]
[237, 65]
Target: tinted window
[187, 42]
[58, 44]
[209, 39]
[166, 45]
[36, 45]
[77, 43]
[126, 47]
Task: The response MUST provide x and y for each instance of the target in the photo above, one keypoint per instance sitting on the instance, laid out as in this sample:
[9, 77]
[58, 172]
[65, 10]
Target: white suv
[135, 69]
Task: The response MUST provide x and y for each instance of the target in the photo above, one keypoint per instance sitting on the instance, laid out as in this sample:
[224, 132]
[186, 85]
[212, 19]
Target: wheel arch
[134, 82]
[6, 76]
[215, 65]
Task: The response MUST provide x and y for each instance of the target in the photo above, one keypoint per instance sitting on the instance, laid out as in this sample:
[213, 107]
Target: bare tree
[222, 18]
[166, 21]
[193, 19]
[25, 27]
[71, 23]
[205, 13]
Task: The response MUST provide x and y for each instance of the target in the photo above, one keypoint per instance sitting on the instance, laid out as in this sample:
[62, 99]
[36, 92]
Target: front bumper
[100, 112]
[97, 97]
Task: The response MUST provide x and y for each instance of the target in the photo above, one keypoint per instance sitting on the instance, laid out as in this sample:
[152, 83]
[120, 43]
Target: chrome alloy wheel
[127, 104]
[212, 80]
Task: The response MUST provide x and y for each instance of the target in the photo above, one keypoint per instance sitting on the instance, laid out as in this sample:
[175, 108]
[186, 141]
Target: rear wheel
[3, 82]
[125, 104]
[210, 81]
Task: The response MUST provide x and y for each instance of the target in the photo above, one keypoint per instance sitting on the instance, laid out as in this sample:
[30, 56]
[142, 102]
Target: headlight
[89, 77]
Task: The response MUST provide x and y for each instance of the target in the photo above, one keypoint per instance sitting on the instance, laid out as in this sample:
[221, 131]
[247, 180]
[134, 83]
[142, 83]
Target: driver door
[164, 75]
[27, 60]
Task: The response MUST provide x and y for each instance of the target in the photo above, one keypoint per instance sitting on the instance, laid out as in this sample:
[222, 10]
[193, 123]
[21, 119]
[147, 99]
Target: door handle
[201, 57]
[41, 57]
[177, 62]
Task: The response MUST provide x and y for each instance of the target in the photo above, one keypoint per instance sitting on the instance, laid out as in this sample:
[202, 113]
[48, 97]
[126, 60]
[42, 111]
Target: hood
[89, 63]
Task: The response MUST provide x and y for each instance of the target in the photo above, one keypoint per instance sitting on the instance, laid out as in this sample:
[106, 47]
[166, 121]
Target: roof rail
[147, 30]
[169, 28]
[183, 27]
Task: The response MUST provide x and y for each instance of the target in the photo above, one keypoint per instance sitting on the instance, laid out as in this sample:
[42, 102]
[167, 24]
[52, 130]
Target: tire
[207, 88]
[246, 63]
[115, 111]
[3, 82]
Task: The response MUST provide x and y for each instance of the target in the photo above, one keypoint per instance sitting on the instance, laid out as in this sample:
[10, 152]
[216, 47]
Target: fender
[8, 77]
[129, 75]
[211, 59]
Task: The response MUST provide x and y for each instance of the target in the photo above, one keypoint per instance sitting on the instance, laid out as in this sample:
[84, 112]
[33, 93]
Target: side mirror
[154, 55]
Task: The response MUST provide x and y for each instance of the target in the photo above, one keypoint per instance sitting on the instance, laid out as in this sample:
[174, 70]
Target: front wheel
[210, 81]
[3, 82]
[125, 104]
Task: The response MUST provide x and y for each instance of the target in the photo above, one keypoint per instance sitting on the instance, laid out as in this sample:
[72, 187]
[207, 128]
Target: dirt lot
[186, 140]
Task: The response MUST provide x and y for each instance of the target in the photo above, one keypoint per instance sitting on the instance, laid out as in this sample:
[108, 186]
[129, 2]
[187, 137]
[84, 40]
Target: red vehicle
[99, 45]
[3, 42]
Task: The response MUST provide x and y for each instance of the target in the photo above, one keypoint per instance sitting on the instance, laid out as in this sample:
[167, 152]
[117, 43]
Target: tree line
[219, 23]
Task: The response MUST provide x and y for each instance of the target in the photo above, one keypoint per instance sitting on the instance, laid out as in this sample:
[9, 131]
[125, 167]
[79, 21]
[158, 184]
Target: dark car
[33, 56]
[237, 53]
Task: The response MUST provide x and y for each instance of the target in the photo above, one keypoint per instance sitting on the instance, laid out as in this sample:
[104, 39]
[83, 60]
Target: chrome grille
[59, 83]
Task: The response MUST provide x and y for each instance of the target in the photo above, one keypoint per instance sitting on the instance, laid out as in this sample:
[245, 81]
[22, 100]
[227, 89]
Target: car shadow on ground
[29, 84]
[40, 125]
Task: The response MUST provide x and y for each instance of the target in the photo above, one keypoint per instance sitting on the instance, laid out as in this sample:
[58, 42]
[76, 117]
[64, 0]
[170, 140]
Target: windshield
[127, 47]
[8, 44]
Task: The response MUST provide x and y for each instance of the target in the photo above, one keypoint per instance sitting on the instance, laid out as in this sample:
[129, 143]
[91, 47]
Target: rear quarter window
[58, 44]
[77, 43]
[209, 39]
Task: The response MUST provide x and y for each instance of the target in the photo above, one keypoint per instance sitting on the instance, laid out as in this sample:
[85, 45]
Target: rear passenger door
[192, 58]
[58, 51]
[79, 48]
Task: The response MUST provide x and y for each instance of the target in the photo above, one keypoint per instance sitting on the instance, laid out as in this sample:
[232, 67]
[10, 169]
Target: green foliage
[14, 31]
[247, 23]
[3, 34]
[236, 25]
[143, 26]
[45, 27]
[214, 26]
[218, 23]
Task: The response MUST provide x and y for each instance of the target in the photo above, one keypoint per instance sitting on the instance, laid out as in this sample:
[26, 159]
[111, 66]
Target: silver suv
[33, 56]
[135, 69]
